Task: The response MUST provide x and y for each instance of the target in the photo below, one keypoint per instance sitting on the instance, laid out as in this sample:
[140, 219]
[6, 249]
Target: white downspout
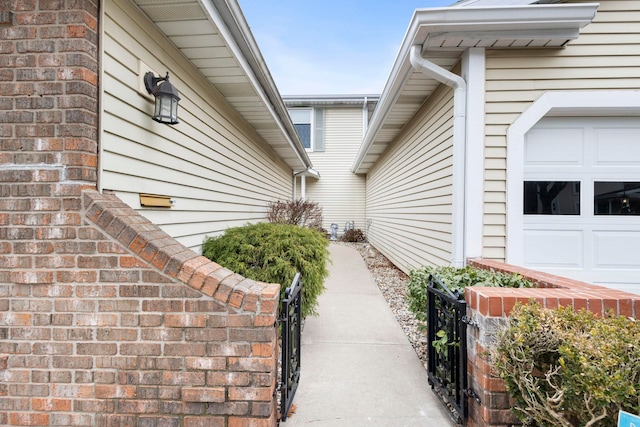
[365, 116]
[459, 87]
[303, 185]
[295, 186]
[303, 181]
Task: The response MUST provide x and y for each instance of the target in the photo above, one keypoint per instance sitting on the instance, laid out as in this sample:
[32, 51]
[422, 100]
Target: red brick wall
[488, 307]
[105, 320]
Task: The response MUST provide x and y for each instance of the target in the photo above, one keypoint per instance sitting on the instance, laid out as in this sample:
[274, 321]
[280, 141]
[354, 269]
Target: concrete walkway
[358, 367]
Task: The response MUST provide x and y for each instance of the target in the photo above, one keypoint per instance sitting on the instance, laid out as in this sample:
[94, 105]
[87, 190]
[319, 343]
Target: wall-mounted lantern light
[166, 109]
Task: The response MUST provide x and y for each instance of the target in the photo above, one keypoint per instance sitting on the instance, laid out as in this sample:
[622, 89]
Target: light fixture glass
[166, 95]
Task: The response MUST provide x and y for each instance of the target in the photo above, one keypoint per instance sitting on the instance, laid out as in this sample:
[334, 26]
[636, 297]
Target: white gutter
[459, 86]
[228, 18]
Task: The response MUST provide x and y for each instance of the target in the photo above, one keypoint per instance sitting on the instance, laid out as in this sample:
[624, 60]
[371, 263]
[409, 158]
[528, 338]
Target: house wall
[339, 192]
[409, 191]
[212, 164]
[604, 57]
[105, 320]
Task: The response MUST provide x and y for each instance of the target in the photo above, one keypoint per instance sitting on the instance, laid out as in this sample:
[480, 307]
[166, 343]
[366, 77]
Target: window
[616, 198]
[552, 198]
[301, 118]
[309, 123]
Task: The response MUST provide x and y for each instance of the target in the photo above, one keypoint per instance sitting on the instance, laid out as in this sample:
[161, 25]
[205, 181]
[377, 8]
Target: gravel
[393, 285]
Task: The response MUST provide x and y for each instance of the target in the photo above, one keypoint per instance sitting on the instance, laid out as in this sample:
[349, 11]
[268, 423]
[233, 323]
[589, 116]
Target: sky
[331, 47]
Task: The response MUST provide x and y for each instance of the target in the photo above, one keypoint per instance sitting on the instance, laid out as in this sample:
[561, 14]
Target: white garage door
[581, 207]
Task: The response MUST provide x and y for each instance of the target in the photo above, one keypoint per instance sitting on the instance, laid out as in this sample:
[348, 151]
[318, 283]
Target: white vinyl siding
[215, 167]
[339, 192]
[604, 57]
[409, 191]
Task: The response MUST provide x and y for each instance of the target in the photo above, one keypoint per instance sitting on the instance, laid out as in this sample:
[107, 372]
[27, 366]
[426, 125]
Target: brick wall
[488, 307]
[105, 320]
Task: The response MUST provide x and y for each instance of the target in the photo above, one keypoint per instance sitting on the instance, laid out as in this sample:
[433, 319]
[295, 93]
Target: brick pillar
[489, 307]
[105, 320]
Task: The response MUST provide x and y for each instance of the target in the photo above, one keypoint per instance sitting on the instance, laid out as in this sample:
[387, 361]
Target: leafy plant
[273, 253]
[295, 212]
[353, 235]
[456, 279]
[569, 368]
[443, 342]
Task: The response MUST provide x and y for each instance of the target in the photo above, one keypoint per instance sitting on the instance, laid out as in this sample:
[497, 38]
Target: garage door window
[616, 198]
[552, 197]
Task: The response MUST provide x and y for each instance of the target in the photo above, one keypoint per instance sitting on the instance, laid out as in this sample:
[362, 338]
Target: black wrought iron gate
[291, 327]
[447, 345]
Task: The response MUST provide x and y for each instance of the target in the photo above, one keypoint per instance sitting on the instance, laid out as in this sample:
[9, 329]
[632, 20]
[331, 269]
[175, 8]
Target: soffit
[445, 34]
[215, 38]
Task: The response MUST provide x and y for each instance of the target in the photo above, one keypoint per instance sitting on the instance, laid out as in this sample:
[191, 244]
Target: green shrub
[456, 279]
[353, 235]
[274, 253]
[568, 368]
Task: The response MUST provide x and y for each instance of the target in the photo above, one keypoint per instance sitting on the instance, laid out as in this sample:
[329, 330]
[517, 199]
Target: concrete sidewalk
[358, 367]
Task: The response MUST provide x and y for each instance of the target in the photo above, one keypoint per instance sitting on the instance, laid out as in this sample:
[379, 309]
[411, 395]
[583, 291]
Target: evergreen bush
[274, 253]
[569, 368]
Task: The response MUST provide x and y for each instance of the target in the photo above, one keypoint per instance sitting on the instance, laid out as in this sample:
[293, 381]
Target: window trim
[311, 126]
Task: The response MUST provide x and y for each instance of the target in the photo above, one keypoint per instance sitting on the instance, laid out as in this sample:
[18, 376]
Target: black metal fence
[447, 345]
[291, 328]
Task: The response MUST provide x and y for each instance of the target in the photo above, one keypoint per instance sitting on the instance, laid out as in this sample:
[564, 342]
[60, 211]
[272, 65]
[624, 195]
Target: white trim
[101, 72]
[473, 72]
[589, 103]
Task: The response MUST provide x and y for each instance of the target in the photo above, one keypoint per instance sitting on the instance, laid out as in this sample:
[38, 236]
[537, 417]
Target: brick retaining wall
[488, 307]
[105, 320]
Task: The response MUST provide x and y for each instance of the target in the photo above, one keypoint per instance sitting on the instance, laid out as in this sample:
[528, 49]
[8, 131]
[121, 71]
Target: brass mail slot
[154, 200]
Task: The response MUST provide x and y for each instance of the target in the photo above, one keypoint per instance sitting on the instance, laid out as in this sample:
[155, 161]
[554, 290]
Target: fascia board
[228, 17]
[508, 21]
[398, 78]
[328, 100]
[473, 3]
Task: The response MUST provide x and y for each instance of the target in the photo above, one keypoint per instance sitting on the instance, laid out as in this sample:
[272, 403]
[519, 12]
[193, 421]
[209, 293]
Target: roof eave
[328, 100]
[231, 14]
[510, 22]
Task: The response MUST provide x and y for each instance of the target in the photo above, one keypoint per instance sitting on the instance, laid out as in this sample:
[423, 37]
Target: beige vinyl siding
[339, 192]
[604, 57]
[409, 191]
[212, 164]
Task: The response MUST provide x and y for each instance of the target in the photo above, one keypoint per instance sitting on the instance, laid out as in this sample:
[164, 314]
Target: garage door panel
[616, 249]
[553, 248]
[617, 147]
[542, 147]
[597, 243]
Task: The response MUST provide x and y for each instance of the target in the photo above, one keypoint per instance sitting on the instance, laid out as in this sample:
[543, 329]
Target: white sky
[331, 47]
